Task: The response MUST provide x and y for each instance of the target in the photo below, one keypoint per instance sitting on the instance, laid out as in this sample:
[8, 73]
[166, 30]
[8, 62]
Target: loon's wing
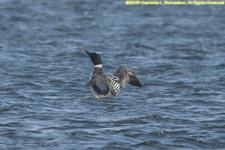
[133, 80]
[126, 76]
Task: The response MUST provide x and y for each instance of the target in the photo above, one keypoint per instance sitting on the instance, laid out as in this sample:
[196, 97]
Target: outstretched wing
[127, 76]
[133, 80]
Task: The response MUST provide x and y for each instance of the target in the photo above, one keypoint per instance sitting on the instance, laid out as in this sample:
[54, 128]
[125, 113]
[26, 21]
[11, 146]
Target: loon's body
[107, 86]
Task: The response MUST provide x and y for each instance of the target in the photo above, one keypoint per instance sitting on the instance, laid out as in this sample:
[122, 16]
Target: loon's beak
[133, 80]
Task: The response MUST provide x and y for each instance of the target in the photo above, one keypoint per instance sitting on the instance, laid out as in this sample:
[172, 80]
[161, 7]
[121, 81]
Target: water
[176, 51]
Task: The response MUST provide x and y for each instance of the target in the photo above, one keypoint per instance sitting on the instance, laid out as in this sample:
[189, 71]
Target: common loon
[103, 86]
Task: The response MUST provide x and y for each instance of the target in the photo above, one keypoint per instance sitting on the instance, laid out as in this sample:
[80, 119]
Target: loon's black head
[95, 58]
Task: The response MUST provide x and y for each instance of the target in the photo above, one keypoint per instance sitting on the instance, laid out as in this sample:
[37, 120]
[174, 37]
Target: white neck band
[98, 66]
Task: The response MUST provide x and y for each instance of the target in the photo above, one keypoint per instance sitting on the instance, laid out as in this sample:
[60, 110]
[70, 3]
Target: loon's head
[96, 59]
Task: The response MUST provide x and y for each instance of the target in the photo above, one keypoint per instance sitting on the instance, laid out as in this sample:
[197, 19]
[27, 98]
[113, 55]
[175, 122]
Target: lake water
[177, 52]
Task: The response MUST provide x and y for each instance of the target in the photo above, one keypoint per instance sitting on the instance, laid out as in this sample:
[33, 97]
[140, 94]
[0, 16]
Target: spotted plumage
[108, 86]
[115, 85]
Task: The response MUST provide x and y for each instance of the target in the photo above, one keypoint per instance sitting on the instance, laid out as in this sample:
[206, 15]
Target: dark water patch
[147, 143]
[196, 143]
[190, 58]
[145, 46]
[219, 66]
[117, 145]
